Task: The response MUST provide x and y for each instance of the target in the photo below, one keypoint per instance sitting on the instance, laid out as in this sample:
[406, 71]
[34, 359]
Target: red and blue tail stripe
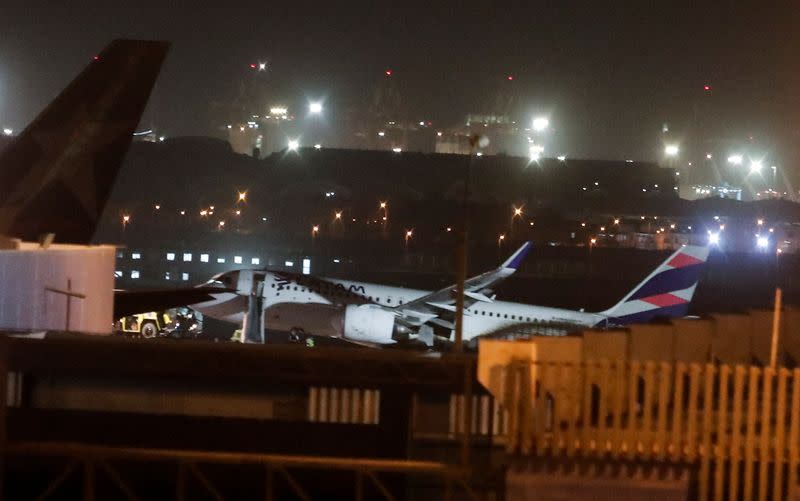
[667, 292]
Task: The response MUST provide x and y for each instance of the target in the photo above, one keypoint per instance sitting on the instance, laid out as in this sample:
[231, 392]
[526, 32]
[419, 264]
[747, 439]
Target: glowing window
[184, 276]
[187, 256]
[221, 260]
[237, 259]
[135, 274]
[136, 255]
[255, 260]
[203, 258]
[170, 256]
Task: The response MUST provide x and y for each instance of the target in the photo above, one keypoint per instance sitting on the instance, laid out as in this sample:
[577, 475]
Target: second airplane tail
[56, 176]
[666, 292]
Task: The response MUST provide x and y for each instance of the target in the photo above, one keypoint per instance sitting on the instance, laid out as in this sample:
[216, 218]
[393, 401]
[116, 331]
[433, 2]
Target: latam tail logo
[667, 292]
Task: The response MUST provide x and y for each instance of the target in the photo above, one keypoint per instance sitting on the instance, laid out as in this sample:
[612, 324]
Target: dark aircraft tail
[57, 175]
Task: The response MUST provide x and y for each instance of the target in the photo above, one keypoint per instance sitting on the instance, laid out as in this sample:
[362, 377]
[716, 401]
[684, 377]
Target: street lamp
[338, 215]
[314, 230]
[755, 166]
[500, 239]
[315, 108]
[293, 144]
[535, 152]
[221, 224]
[242, 196]
[671, 150]
[385, 208]
[125, 220]
[540, 124]
[735, 159]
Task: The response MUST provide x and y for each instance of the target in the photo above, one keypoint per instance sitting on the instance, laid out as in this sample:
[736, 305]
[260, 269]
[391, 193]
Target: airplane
[57, 174]
[376, 314]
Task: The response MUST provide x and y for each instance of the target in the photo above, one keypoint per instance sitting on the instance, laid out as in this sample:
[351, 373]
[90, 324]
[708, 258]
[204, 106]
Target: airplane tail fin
[666, 292]
[514, 261]
[56, 176]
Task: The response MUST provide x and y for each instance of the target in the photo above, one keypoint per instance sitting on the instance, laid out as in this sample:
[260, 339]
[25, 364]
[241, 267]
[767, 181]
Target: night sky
[608, 73]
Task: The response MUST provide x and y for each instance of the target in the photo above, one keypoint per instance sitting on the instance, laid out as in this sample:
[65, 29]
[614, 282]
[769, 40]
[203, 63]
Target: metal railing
[94, 460]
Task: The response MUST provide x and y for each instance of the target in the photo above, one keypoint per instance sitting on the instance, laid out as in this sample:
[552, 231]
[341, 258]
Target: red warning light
[253, 65]
[388, 73]
[706, 87]
[510, 77]
[96, 58]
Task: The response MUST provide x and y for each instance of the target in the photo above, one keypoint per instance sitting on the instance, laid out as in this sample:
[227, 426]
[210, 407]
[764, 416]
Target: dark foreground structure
[109, 419]
[602, 415]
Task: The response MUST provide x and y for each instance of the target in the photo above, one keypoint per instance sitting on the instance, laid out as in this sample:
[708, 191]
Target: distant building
[705, 191]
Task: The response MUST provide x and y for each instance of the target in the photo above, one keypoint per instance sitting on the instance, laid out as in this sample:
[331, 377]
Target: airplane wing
[443, 301]
[127, 302]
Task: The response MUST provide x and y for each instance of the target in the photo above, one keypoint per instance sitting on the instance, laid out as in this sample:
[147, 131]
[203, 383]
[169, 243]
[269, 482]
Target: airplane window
[506, 315]
[370, 298]
[389, 300]
[483, 313]
[377, 300]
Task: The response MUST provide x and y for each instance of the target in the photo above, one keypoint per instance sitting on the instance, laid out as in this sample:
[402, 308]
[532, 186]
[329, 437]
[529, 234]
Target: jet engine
[371, 324]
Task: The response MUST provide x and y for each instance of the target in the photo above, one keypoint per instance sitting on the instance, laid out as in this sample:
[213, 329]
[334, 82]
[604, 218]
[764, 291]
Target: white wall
[28, 271]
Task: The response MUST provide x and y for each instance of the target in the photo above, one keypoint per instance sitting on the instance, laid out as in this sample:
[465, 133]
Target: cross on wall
[69, 293]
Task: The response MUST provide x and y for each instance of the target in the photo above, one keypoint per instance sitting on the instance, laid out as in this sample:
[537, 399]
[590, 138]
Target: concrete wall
[62, 287]
[605, 345]
[693, 339]
[652, 342]
[731, 341]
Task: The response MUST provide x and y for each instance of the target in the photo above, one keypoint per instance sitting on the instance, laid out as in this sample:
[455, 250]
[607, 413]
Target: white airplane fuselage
[479, 318]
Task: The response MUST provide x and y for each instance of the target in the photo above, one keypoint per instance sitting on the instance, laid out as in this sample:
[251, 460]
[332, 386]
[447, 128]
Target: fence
[740, 425]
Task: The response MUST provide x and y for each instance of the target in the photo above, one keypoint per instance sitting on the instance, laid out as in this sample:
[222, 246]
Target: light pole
[384, 206]
[458, 344]
[516, 213]
[125, 220]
